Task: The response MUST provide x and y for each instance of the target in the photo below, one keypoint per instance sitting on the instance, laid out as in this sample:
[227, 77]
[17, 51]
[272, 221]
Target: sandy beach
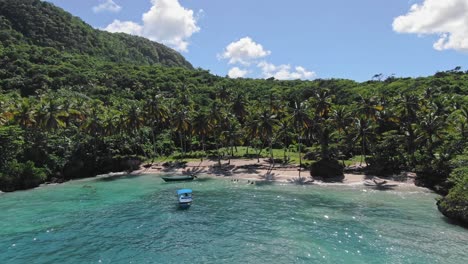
[252, 171]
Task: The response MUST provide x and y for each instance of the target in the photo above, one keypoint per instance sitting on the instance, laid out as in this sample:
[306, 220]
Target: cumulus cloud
[446, 18]
[128, 27]
[284, 71]
[244, 51]
[167, 22]
[236, 72]
[107, 5]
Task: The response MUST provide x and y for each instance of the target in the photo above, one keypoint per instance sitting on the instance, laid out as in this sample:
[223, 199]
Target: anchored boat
[179, 178]
[184, 197]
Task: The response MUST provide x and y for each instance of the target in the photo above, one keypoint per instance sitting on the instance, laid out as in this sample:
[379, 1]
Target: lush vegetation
[455, 204]
[39, 23]
[71, 110]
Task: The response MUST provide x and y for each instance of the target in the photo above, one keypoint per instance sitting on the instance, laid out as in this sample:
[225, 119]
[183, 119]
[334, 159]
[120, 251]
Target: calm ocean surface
[134, 219]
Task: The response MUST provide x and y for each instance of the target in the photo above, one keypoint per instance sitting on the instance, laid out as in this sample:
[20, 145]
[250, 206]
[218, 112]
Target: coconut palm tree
[202, 127]
[430, 128]
[302, 122]
[239, 107]
[407, 106]
[24, 114]
[50, 114]
[363, 130]
[157, 115]
[267, 126]
[181, 125]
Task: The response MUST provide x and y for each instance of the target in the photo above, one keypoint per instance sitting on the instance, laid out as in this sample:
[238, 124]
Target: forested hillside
[75, 106]
[39, 23]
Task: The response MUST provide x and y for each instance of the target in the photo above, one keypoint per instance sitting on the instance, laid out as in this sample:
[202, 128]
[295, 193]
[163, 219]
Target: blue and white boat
[184, 197]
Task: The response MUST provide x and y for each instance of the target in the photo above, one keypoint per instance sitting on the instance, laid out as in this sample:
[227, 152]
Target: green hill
[42, 24]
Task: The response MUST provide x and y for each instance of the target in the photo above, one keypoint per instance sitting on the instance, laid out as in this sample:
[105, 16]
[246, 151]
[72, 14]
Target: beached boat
[184, 197]
[178, 178]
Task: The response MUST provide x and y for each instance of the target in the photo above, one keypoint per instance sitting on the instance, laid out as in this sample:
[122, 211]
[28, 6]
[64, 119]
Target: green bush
[455, 204]
[20, 176]
[327, 169]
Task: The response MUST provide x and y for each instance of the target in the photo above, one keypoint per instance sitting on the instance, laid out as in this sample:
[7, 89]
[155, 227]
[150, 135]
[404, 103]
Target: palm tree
[93, 125]
[285, 136]
[110, 122]
[181, 124]
[430, 127]
[341, 121]
[134, 119]
[157, 114]
[50, 115]
[5, 113]
[239, 107]
[368, 107]
[223, 94]
[267, 125]
[407, 108]
[24, 115]
[252, 127]
[322, 104]
[302, 122]
[202, 127]
[363, 128]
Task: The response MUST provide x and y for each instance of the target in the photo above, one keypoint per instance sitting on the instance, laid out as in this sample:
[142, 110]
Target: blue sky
[292, 39]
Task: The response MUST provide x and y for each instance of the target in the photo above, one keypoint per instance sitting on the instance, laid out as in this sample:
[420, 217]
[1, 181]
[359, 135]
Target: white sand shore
[249, 169]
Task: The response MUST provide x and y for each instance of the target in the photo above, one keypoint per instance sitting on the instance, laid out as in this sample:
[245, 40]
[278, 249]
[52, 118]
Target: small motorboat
[179, 178]
[184, 197]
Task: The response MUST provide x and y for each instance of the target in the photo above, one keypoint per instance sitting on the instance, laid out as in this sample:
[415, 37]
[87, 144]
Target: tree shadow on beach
[221, 170]
[301, 180]
[192, 171]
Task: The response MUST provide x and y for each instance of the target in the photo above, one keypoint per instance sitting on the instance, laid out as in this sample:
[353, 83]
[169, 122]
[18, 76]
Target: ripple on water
[136, 220]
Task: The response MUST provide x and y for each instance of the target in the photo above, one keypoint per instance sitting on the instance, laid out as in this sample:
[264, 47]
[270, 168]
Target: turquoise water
[134, 219]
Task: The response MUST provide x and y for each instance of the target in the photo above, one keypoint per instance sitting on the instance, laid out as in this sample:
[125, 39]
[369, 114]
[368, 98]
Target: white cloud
[284, 71]
[237, 73]
[446, 18]
[244, 51]
[167, 22]
[128, 27]
[107, 5]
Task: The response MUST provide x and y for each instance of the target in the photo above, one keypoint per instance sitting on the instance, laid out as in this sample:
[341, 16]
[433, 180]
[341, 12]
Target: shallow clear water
[134, 219]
